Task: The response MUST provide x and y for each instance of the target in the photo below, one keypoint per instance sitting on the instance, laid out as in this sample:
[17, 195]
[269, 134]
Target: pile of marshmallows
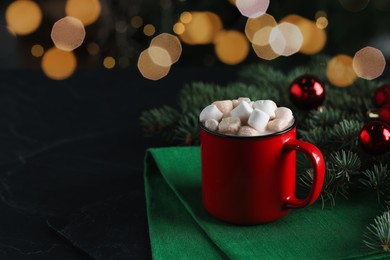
[244, 117]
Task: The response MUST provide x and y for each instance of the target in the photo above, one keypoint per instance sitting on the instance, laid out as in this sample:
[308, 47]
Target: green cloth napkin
[180, 228]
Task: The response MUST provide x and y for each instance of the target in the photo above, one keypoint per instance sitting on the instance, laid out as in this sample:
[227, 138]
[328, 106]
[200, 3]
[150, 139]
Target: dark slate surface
[71, 153]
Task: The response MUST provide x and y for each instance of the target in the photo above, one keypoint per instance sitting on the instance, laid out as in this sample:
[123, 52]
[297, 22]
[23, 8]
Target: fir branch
[186, 132]
[377, 235]
[346, 132]
[377, 179]
[159, 120]
[326, 117]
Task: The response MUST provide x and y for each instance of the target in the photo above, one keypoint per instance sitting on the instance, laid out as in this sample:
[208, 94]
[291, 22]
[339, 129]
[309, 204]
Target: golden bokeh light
[252, 8]
[254, 25]
[233, 2]
[37, 50]
[23, 17]
[261, 44]
[109, 62]
[169, 43]
[339, 71]
[160, 56]
[322, 22]
[87, 11]
[93, 48]
[179, 28]
[136, 21]
[354, 5]
[58, 64]
[231, 47]
[185, 17]
[149, 30]
[68, 33]
[369, 63]
[149, 69]
[314, 39]
[286, 39]
[202, 29]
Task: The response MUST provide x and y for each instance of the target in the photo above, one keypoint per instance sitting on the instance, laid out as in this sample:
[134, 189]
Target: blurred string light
[314, 39]
[93, 48]
[87, 11]
[354, 5]
[383, 5]
[231, 47]
[322, 22]
[155, 62]
[201, 29]
[149, 30]
[23, 17]
[252, 8]
[369, 63]
[286, 39]
[179, 28]
[68, 33]
[185, 17]
[37, 50]
[136, 21]
[339, 71]
[109, 62]
[58, 64]
[258, 31]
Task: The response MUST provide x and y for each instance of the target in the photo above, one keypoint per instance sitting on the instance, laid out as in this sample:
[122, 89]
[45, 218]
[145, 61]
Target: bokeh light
[109, 62]
[369, 63]
[314, 39]
[179, 28]
[58, 64]
[160, 56]
[252, 8]
[149, 69]
[149, 30]
[136, 21]
[231, 47]
[170, 44]
[286, 39]
[354, 5]
[262, 46]
[254, 25]
[87, 11]
[322, 22]
[383, 5]
[185, 17]
[37, 50]
[339, 71]
[93, 48]
[68, 33]
[202, 29]
[23, 17]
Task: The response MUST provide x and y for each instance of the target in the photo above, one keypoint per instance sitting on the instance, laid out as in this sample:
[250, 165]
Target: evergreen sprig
[377, 235]
[376, 179]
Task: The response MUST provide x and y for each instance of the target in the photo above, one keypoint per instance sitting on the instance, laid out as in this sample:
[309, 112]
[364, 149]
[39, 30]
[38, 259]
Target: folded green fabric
[180, 228]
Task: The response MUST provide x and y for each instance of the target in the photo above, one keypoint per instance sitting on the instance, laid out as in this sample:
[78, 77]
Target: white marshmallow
[242, 111]
[247, 131]
[211, 124]
[268, 106]
[258, 120]
[210, 112]
[278, 124]
[246, 99]
[236, 102]
[283, 112]
[225, 106]
[229, 125]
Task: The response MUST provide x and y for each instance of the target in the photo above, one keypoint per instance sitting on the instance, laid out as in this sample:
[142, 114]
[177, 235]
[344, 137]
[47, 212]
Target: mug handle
[317, 160]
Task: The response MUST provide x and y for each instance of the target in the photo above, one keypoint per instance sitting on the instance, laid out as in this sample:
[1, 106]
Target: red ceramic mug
[251, 180]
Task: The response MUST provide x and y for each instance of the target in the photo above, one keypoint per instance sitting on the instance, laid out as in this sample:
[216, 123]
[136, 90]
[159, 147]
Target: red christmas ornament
[375, 137]
[307, 92]
[384, 113]
[382, 95]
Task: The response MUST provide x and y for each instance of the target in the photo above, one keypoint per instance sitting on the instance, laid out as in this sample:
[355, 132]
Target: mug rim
[294, 124]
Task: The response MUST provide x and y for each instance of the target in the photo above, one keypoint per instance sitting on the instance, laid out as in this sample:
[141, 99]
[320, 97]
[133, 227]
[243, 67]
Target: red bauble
[384, 113]
[375, 137]
[307, 92]
[382, 95]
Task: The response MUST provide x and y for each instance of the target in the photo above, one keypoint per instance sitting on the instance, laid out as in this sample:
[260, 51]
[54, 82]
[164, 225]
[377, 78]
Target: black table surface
[71, 161]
